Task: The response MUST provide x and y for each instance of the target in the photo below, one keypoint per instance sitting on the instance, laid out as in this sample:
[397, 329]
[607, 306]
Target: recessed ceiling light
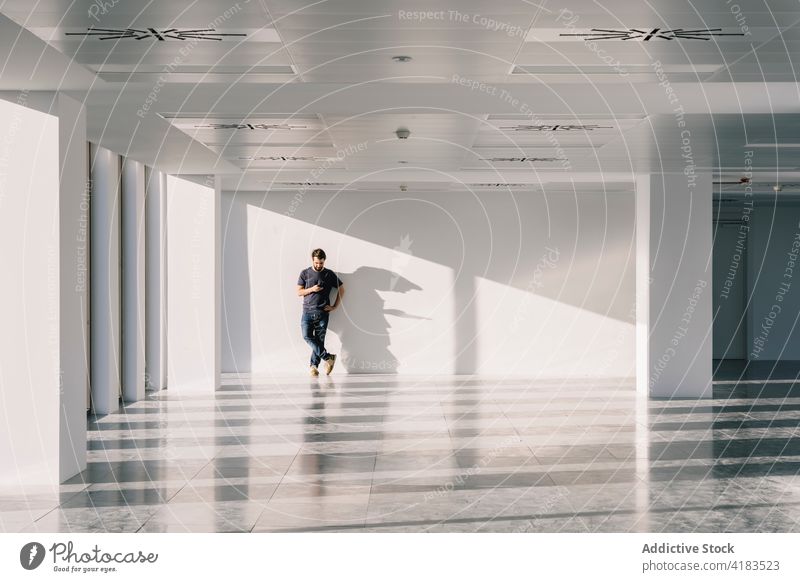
[401, 58]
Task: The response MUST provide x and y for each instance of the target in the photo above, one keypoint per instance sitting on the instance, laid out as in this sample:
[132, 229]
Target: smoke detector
[402, 133]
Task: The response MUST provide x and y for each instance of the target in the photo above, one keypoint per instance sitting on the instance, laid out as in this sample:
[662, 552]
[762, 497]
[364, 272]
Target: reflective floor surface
[446, 454]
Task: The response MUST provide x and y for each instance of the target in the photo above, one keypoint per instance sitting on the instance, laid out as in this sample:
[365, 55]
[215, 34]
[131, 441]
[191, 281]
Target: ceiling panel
[119, 36]
[437, 140]
[191, 13]
[342, 49]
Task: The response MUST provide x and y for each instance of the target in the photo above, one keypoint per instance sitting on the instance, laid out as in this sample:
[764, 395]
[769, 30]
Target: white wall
[450, 282]
[731, 240]
[29, 298]
[191, 333]
[773, 282]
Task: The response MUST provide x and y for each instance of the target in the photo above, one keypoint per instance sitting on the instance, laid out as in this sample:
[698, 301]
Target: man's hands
[302, 292]
[339, 297]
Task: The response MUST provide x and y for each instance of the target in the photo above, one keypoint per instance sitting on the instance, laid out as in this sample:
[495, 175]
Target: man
[314, 285]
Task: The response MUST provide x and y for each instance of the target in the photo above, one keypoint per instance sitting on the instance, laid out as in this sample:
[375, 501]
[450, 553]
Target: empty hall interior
[567, 236]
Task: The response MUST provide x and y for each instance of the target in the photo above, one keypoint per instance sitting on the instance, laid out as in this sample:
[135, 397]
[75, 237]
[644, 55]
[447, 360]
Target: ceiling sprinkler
[403, 188]
[402, 133]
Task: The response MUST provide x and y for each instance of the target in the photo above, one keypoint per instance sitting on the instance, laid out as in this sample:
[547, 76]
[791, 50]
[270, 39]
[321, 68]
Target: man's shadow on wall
[361, 322]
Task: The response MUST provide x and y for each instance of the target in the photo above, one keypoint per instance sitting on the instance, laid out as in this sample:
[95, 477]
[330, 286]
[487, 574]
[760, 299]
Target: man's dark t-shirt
[326, 279]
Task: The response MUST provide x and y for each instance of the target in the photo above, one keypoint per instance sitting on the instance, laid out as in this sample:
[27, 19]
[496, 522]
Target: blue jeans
[314, 325]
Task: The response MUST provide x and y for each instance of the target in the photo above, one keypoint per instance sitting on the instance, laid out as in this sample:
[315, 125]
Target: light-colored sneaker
[329, 363]
[314, 372]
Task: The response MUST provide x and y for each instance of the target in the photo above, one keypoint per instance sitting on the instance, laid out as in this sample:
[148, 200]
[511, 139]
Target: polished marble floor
[447, 454]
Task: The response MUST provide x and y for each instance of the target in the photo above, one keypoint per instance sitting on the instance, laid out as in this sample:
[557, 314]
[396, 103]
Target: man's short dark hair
[318, 254]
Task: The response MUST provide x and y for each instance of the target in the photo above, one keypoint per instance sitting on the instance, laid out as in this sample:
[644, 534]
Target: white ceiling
[271, 92]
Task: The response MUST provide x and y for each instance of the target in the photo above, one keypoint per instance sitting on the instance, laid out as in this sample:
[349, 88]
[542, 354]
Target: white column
[30, 300]
[105, 285]
[217, 281]
[156, 280]
[192, 293]
[133, 289]
[673, 285]
[74, 265]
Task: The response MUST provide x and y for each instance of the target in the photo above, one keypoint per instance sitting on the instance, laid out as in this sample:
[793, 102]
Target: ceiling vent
[499, 185]
[566, 117]
[315, 184]
[251, 126]
[760, 185]
[238, 117]
[285, 159]
[272, 145]
[200, 73]
[589, 69]
[650, 34]
[739, 182]
[159, 34]
[522, 159]
[553, 127]
[300, 184]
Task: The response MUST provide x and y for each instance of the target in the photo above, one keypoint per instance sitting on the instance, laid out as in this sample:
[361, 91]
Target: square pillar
[156, 281]
[133, 283]
[105, 281]
[673, 284]
[32, 386]
[193, 292]
[217, 281]
[73, 282]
